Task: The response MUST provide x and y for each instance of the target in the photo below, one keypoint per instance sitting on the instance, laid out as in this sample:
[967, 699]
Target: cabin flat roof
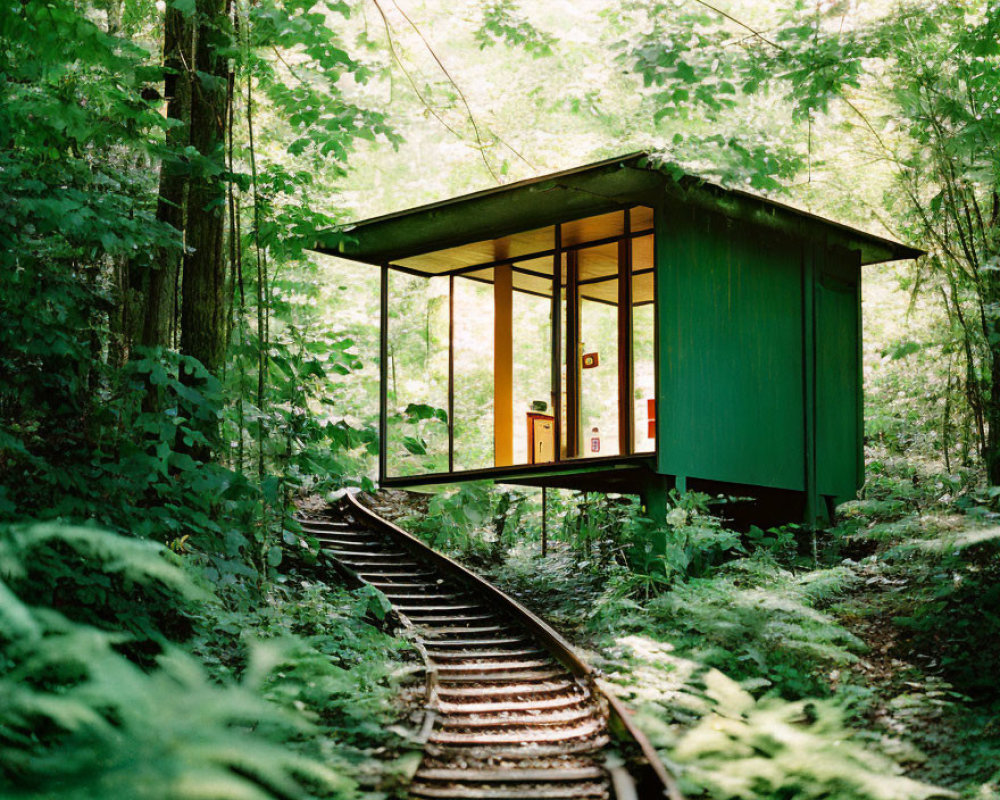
[638, 178]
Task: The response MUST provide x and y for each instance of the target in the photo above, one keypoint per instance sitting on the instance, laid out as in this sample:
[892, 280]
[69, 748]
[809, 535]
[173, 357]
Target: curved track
[513, 711]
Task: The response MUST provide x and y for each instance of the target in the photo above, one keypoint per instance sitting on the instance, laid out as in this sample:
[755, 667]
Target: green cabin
[622, 327]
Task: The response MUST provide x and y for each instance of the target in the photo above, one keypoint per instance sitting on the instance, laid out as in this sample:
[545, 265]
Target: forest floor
[889, 631]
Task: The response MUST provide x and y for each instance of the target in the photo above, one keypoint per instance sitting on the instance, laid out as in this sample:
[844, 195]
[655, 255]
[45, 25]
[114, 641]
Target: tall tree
[178, 55]
[945, 74]
[203, 310]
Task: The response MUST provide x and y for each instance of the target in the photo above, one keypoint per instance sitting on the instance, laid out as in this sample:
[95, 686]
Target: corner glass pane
[417, 372]
[643, 346]
[473, 374]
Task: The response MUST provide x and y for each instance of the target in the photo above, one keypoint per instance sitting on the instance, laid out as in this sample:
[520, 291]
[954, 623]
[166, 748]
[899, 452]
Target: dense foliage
[126, 668]
[176, 372]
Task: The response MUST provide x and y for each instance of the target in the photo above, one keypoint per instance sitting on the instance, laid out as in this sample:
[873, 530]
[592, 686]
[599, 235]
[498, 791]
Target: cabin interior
[522, 353]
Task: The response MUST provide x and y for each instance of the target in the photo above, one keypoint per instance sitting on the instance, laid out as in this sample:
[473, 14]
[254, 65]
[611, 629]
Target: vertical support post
[572, 354]
[383, 373]
[503, 365]
[626, 410]
[451, 373]
[809, 269]
[557, 342]
[661, 263]
[653, 496]
[545, 521]
[860, 398]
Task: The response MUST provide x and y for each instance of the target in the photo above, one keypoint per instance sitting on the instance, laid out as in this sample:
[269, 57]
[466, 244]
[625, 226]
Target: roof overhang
[636, 178]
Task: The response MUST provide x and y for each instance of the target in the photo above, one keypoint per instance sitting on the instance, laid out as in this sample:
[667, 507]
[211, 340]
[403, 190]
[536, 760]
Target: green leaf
[904, 349]
[416, 446]
[686, 72]
[415, 412]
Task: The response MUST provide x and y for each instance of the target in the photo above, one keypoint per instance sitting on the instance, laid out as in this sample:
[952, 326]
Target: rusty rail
[516, 712]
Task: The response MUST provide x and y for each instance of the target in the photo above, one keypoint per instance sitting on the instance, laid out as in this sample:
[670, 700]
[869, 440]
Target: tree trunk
[991, 304]
[203, 309]
[178, 45]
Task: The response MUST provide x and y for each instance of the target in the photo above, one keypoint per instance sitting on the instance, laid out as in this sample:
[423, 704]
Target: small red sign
[595, 445]
[591, 360]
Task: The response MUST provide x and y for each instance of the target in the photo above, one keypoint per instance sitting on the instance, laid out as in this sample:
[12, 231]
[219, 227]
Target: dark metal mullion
[531, 272]
[588, 281]
[609, 239]
[557, 341]
[411, 271]
[451, 374]
[626, 415]
[383, 377]
[572, 355]
[519, 270]
[496, 263]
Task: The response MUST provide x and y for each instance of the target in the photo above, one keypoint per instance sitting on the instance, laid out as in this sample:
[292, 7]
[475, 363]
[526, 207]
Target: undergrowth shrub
[313, 646]
[78, 719]
[691, 544]
[88, 575]
[954, 608]
[473, 522]
[769, 748]
[760, 623]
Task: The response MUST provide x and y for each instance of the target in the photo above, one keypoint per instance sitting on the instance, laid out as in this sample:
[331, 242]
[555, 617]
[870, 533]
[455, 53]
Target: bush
[80, 720]
[759, 623]
[954, 610]
[764, 749]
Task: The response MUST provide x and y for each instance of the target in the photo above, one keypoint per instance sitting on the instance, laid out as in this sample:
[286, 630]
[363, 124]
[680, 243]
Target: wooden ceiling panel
[542, 265]
[642, 253]
[533, 284]
[452, 258]
[642, 288]
[641, 218]
[480, 275]
[603, 292]
[526, 242]
[590, 229]
[598, 260]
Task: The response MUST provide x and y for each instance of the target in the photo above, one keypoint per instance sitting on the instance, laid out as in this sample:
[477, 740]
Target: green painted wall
[839, 466]
[730, 326]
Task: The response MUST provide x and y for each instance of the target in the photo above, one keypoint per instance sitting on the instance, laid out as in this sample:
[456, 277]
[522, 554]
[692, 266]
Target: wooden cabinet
[541, 438]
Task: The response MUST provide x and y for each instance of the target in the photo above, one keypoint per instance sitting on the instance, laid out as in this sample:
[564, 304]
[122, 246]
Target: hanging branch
[753, 32]
[262, 295]
[477, 134]
[236, 261]
[457, 88]
[413, 84]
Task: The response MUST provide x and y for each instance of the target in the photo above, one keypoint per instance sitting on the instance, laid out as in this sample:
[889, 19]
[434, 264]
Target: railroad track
[512, 710]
